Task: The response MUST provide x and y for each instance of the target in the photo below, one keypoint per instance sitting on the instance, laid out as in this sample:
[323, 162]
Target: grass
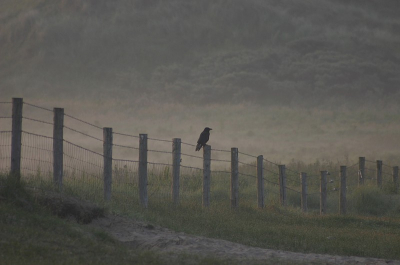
[285, 229]
[371, 229]
[30, 234]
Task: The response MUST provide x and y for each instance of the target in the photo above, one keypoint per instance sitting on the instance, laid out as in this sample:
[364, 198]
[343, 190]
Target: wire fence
[83, 167]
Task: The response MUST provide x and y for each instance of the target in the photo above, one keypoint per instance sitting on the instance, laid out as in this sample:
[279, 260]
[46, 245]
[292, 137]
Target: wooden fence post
[206, 175]
[58, 150]
[379, 173]
[260, 181]
[396, 178]
[143, 170]
[323, 190]
[342, 199]
[303, 177]
[16, 138]
[107, 153]
[361, 171]
[176, 165]
[234, 177]
[282, 184]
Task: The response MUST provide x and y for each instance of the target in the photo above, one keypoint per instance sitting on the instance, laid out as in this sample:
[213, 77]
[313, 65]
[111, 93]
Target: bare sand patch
[142, 235]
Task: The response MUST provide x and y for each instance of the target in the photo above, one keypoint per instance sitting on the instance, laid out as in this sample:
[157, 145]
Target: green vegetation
[30, 234]
[291, 52]
[285, 229]
[371, 228]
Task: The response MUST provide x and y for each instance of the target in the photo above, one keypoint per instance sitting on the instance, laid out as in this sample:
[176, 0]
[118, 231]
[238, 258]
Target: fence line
[163, 175]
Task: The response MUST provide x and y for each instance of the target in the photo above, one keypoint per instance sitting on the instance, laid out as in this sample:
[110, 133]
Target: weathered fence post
[16, 138]
[396, 178]
[176, 167]
[379, 173]
[342, 199]
[361, 171]
[58, 151]
[323, 190]
[143, 170]
[206, 175]
[303, 177]
[107, 153]
[282, 184]
[234, 177]
[260, 181]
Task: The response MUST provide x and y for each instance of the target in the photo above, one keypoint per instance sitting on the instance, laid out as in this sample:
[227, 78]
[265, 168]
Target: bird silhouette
[203, 139]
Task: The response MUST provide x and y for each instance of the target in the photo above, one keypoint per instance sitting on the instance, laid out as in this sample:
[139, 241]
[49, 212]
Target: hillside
[267, 52]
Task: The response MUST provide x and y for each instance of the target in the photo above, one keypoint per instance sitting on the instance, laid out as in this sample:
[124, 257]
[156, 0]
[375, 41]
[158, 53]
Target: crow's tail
[198, 147]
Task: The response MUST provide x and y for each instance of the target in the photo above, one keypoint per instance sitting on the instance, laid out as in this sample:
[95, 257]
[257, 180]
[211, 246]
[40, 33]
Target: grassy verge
[286, 229]
[30, 234]
[274, 227]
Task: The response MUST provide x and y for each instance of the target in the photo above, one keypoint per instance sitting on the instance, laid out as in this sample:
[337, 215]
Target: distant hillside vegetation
[265, 51]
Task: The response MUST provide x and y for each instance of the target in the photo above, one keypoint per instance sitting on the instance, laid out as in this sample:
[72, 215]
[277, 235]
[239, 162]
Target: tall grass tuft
[370, 200]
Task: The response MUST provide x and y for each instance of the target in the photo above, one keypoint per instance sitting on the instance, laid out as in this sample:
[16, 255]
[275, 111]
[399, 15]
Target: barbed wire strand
[253, 156]
[128, 135]
[160, 140]
[126, 146]
[82, 133]
[220, 150]
[82, 148]
[35, 120]
[82, 121]
[193, 145]
[38, 107]
[159, 151]
[199, 157]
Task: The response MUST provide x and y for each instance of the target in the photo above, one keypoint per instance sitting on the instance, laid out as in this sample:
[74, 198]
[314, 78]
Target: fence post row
[176, 163]
[58, 147]
[361, 171]
[58, 140]
[343, 187]
[143, 170]
[282, 184]
[206, 175]
[16, 138]
[303, 177]
[234, 177]
[379, 173]
[107, 154]
[260, 181]
[396, 178]
[323, 190]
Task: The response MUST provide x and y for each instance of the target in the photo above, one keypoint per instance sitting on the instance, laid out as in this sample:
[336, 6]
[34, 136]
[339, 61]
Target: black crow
[203, 139]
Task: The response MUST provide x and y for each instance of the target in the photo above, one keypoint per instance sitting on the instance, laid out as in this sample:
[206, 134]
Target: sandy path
[144, 236]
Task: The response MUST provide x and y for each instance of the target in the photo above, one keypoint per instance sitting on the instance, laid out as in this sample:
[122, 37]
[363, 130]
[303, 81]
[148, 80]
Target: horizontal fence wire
[82, 121]
[241, 153]
[221, 150]
[127, 135]
[36, 120]
[183, 143]
[126, 146]
[160, 140]
[82, 133]
[192, 156]
[38, 107]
